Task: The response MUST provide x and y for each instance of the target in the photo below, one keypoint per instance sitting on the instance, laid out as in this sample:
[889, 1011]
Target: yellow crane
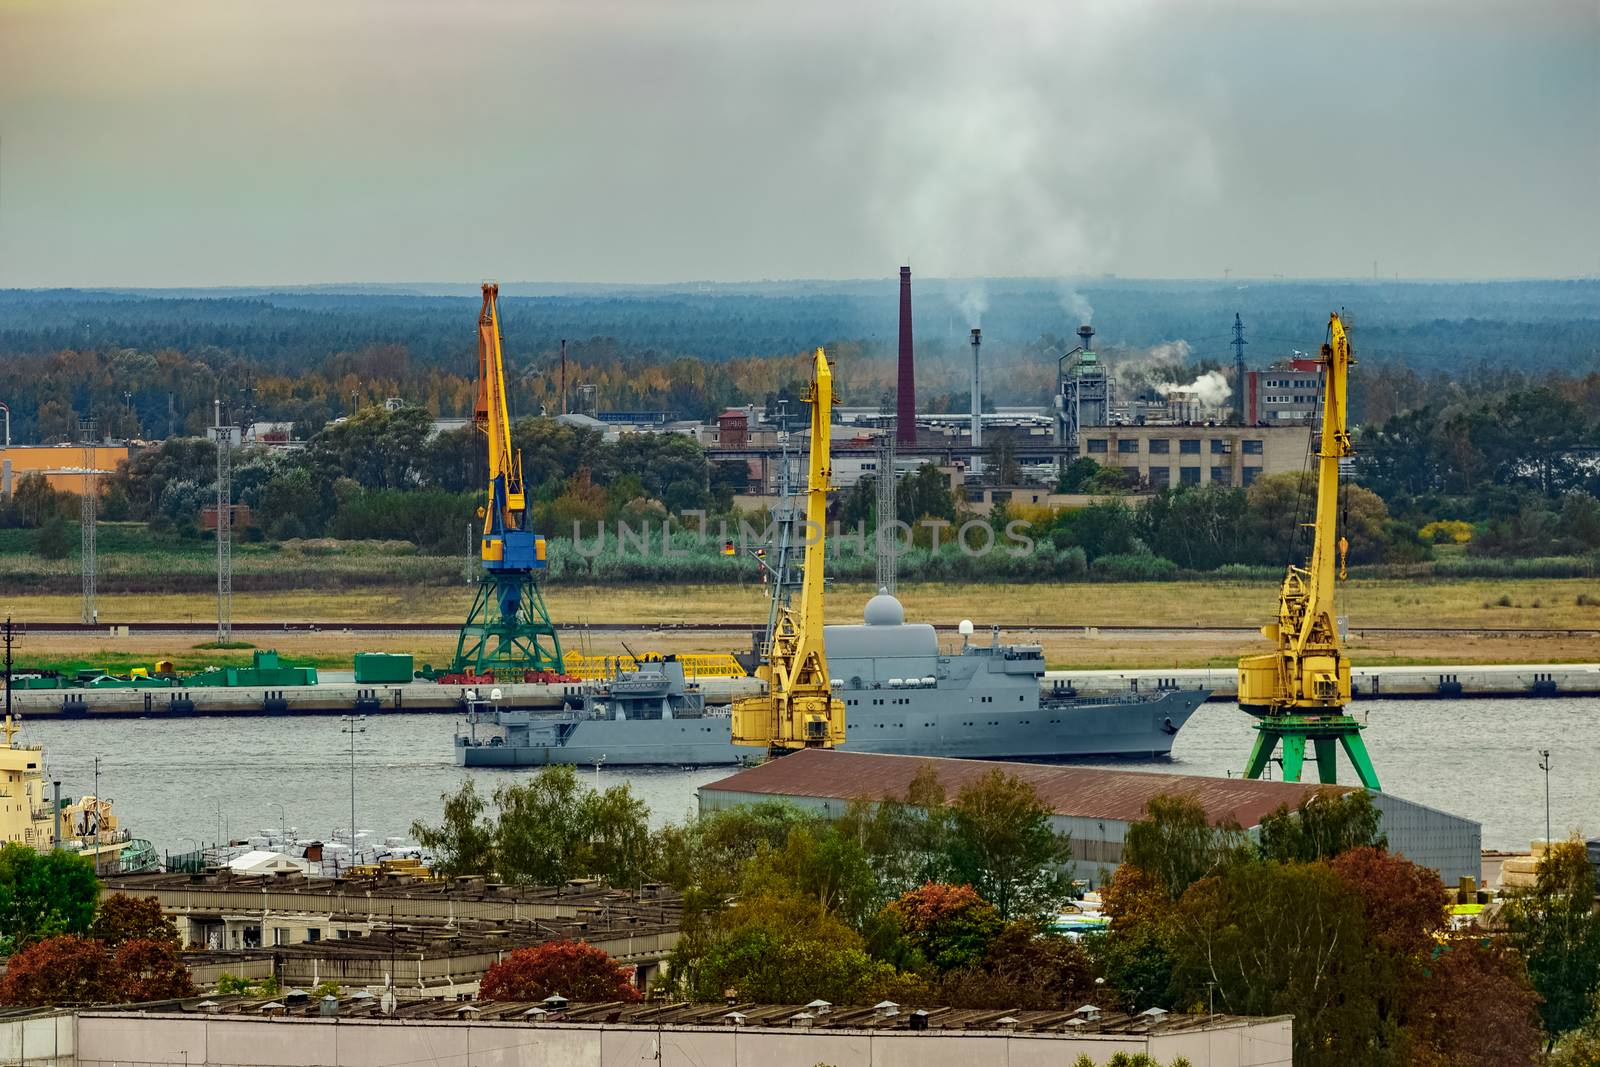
[798, 709]
[508, 628]
[1300, 691]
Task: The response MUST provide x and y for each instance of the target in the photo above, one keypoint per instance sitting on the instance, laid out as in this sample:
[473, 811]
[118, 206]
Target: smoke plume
[1211, 389]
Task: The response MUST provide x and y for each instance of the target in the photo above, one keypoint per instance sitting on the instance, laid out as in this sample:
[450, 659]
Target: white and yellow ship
[88, 827]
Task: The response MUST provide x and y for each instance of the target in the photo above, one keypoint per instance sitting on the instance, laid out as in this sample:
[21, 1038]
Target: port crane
[1300, 691]
[798, 709]
[508, 627]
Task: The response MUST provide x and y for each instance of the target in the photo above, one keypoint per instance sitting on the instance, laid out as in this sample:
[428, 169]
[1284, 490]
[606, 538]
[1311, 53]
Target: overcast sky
[208, 142]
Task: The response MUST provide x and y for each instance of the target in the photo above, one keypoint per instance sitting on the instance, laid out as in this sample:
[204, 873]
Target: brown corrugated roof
[1083, 792]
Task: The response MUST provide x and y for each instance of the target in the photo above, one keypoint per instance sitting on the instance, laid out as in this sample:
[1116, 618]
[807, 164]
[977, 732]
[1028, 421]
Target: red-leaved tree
[575, 969]
[1474, 1008]
[1404, 904]
[123, 918]
[71, 970]
[150, 969]
[950, 924]
[60, 970]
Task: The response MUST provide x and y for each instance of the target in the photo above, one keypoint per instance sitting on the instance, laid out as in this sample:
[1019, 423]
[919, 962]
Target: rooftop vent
[885, 1009]
[819, 1007]
[1006, 1022]
[534, 1014]
[735, 1018]
[918, 1020]
[467, 1009]
[271, 1006]
[1153, 1014]
[210, 1006]
[555, 1002]
[1088, 1011]
[329, 1006]
[805, 1018]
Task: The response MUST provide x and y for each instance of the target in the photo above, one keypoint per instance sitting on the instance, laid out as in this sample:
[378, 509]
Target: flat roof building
[1094, 805]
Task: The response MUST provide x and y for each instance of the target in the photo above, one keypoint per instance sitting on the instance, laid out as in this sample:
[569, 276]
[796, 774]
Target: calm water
[176, 782]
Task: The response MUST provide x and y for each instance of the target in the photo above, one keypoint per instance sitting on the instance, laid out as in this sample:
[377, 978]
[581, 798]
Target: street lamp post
[1544, 765]
[353, 724]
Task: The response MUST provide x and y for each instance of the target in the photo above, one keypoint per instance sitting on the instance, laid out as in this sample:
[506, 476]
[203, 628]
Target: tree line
[931, 899]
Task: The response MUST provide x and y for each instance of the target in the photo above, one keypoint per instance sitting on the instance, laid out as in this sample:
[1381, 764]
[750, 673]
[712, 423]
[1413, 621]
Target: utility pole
[563, 376]
[87, 518]
[1238, 344]
[9, 631]
[884, 536]
[224, 526]
[1544, 765]
[353, 724]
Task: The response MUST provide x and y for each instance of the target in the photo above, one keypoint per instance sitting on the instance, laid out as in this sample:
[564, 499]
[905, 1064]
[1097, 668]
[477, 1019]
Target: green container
[379, 668]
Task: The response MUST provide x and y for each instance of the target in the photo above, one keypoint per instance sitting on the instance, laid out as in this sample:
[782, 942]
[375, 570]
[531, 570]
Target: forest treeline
[149, 365]
[384, 475]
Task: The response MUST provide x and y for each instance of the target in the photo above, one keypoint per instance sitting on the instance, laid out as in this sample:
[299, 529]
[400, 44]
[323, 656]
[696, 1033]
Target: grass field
[1436, 604]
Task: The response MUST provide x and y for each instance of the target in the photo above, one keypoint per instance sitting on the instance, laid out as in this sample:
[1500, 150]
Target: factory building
[1285, 394]
[65, 467]
[1164, 456]
[1094, 805]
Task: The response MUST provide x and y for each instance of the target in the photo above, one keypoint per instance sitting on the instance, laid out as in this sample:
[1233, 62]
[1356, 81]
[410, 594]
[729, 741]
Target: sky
[214, 142]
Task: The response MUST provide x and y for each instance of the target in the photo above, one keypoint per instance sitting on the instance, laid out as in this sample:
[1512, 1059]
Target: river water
[186, 781]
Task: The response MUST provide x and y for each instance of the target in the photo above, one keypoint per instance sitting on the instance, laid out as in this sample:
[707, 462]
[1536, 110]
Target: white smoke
[1079, 311]
[1211, 388]
[1167, 352]
[972, 301]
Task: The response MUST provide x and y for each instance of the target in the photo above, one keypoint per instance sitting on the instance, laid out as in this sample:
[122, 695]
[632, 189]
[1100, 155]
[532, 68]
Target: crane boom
[799, 710]
[508, 628]
[1301, 689]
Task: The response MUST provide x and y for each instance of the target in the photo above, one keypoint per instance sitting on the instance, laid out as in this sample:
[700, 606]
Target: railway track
[260, 627]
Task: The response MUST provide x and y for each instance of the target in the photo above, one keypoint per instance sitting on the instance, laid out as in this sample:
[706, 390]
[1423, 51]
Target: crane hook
[1344, 547]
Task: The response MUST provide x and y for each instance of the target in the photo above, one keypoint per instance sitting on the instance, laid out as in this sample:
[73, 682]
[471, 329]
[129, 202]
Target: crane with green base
[1300, 691]
[508, 627]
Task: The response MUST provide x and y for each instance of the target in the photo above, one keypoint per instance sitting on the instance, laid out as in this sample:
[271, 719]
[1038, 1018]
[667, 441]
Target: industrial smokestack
[906, 393]
[1086, 337]
[977, 403]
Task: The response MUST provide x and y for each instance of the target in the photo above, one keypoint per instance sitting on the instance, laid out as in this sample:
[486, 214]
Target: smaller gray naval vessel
[902, 695]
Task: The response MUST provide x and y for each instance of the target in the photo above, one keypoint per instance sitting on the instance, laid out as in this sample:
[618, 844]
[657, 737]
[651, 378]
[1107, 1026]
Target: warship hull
[1141, 726]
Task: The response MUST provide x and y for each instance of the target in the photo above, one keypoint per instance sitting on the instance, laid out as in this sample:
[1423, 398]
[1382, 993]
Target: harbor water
[197, 781]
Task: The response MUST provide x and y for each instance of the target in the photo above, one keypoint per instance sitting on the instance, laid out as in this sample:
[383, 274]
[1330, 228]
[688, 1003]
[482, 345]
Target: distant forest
[149, 362]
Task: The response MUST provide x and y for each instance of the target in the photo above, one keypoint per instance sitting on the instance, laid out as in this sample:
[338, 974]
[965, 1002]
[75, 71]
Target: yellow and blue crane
[508, 628]
[1300, 691]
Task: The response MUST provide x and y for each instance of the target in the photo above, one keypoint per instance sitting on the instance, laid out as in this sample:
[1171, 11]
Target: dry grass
[1467, 604]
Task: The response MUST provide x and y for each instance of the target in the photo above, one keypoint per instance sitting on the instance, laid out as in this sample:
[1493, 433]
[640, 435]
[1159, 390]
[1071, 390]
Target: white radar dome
[965, 629]
[495, 694]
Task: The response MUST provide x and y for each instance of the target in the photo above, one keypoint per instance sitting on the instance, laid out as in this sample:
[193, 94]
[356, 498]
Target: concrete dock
[1366, 683]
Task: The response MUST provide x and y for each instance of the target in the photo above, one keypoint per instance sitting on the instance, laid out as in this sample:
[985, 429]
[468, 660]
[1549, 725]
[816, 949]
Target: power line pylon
[224, 526]
[1238, 344]
[88, 517]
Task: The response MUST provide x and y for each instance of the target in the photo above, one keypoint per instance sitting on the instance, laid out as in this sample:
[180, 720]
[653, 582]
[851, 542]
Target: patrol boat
[902, 694]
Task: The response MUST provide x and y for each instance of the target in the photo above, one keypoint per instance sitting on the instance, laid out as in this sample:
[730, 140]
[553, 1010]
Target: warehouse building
[1094, 805]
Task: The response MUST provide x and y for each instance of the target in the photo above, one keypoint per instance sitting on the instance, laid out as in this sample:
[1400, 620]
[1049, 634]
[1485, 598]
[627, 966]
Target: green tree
[1177, 845]
[1002, 844]
[1271, 938]
[43, 894]
[54, 540]
[1022, 967]
[1554, 924]
[1325, 823]
[463, 843]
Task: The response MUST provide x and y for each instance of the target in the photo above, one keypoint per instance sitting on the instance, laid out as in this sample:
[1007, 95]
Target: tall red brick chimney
[906, 393]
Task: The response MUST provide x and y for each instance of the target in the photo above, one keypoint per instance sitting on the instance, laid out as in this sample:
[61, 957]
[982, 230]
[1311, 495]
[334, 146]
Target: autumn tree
[1002, 844]
[951, 925]
[1136, 956]
[1555, 926]
[60, 970]
[44, 893]
[150, 969]
[122, 918]
[1326, 822]
[1022, 967]
[576, 970]
[1474, 1008]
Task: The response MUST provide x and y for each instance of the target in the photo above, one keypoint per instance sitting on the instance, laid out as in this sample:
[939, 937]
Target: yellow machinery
[799, 710]
[695, 665]
[508, 627]
[1300, 691]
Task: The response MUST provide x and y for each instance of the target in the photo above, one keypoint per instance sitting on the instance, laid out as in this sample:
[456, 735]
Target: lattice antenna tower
[885, 538]
[91, 502]
[224, 526]
[1238, 344]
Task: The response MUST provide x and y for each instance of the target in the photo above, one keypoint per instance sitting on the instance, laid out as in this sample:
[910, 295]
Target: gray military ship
[902, 695]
